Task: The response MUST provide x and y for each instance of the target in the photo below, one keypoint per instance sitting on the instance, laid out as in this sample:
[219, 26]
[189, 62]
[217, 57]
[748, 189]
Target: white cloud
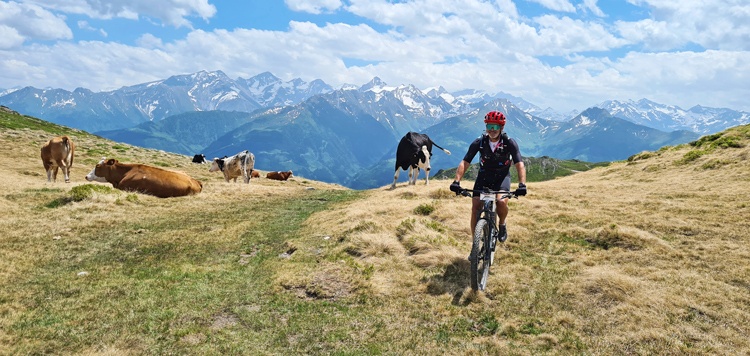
[21, 22]
[556, 5]
[9, 37]
[458, 44]
[149, 41]
[170, 12]
[313, 6]
[591, 6]
[675, 24]
[84, 25]
[565, 36]
[438, 17]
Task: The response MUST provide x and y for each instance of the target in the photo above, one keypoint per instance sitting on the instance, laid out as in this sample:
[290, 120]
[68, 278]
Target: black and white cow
[201, 159]
[413, 153]
[241, 164]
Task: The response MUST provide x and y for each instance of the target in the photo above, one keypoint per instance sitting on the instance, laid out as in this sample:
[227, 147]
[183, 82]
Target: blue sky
[564, 54]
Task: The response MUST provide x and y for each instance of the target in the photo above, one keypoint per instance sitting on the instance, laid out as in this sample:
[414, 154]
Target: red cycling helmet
[494, 117]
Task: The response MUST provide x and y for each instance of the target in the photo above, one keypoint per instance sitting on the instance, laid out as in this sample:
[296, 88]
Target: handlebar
[505, 194]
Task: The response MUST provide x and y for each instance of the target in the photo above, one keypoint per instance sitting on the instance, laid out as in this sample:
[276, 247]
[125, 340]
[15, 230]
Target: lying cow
[58, 153]
[200, 159]
[413, 153]
[255, 174]
[145, 179]
[241, 164]
[279, 175]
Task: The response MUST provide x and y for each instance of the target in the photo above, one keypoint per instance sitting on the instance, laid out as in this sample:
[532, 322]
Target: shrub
[728, 142]
[85, 191]
[691, 156]
[442, 193]
[705, 140]
[80, 193]
[424, 209]
[640, 156]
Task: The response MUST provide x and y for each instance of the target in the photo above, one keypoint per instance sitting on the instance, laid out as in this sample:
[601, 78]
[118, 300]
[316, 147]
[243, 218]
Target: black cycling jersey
[494, 166]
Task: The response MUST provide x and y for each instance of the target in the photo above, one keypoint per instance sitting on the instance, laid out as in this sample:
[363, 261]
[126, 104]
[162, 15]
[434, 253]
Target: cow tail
[68, 149]
[245, 162]
[438, 146]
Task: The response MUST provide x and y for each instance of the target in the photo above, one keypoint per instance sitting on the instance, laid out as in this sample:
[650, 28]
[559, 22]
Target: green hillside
[537, 169]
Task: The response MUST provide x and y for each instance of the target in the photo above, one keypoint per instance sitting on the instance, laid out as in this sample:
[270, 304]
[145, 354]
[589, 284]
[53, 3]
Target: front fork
[489, 210]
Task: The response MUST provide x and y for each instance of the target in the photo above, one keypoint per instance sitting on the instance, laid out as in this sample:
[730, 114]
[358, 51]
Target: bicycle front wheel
[480, 255]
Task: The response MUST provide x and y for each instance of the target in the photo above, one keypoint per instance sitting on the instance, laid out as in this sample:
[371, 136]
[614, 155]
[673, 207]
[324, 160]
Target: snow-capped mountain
[268, 90]
[154, 101]
[668, 118]
[402, 108]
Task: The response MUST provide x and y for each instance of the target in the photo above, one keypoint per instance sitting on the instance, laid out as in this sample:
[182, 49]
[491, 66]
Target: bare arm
[521, 169]
[463, 166]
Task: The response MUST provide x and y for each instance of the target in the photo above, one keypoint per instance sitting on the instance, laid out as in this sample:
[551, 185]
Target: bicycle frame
[489, 209]
[484, 239]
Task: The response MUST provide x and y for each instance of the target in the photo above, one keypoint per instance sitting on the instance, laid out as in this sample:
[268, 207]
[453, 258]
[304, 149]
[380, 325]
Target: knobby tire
[480, 264]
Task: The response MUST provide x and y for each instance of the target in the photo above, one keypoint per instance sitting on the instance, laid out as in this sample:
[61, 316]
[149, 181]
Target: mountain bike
[485, 235]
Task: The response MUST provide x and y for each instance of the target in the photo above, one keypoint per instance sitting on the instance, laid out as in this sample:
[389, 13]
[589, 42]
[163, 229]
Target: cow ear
[111, 161]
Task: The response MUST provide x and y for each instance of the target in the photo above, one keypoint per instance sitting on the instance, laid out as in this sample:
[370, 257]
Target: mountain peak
[375, 83]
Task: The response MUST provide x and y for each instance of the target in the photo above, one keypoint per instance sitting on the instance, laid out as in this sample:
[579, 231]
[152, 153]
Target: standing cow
[413, 153]
[58, 153]
[241, 164]
[145, 179]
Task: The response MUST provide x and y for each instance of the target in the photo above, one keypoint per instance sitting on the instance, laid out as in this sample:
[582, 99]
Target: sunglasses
[494, 127]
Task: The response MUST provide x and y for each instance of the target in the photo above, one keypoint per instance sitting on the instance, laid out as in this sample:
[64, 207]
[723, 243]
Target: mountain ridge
[371, 118]
[203, 90]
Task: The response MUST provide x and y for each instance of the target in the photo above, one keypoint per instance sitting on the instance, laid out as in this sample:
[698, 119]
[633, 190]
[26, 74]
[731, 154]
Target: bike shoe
[503, 234]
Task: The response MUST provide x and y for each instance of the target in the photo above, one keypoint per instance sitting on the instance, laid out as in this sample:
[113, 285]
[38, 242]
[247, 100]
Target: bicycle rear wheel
[480, 256]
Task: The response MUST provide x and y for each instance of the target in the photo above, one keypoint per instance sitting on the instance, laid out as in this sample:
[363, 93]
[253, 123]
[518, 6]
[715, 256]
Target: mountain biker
[497, 153]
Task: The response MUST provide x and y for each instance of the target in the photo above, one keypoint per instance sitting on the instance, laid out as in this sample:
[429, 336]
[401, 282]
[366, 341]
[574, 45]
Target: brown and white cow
[241, 164]
[58, 153]
[145, 179]
[279, 175]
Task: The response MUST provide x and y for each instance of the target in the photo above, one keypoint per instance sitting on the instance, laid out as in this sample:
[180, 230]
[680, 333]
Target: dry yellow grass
[650, 256]
[647, 256]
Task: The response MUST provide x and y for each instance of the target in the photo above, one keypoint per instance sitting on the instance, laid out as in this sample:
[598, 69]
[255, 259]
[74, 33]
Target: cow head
[93, 177]
[423, 157]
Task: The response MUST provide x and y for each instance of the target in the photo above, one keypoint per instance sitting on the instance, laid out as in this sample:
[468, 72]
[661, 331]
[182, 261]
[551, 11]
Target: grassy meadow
[646, 256]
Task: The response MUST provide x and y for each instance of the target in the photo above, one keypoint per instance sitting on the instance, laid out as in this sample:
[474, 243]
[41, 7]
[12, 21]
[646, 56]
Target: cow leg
[54, 173]
[425, 165]
[413, 173]
[66, 172]
[395, 178]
